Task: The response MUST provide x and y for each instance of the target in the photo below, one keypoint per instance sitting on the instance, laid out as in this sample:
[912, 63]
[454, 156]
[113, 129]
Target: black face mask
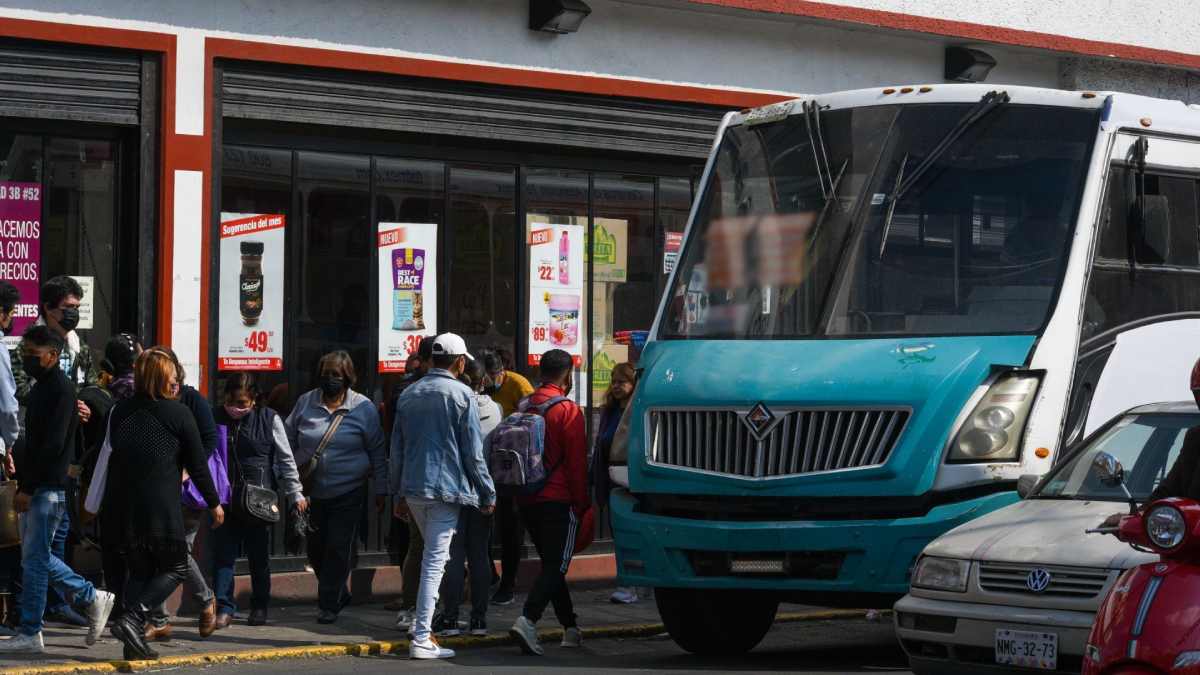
[33, 367]
[70, 319]
[332, 386]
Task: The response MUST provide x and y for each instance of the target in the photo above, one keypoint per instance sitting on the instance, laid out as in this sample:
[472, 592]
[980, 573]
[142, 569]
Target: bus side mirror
[1153, 238]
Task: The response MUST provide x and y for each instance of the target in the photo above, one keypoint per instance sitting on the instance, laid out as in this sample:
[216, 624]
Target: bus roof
[1121, 109]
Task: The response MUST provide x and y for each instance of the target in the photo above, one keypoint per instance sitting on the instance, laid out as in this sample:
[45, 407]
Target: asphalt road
[828, 647]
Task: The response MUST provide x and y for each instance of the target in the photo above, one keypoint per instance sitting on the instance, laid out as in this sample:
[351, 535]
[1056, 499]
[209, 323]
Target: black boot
[130, 629]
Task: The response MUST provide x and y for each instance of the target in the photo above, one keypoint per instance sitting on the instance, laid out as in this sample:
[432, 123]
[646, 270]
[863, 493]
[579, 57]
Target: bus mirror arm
[1135, 222]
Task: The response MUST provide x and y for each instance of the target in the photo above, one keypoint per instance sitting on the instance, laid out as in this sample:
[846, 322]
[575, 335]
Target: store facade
[255, 186]
[474, 185]
[78, 180]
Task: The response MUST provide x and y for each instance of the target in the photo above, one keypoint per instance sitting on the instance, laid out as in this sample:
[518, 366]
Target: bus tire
[716, 622]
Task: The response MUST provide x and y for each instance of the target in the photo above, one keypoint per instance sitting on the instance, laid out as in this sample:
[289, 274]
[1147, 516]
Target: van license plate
[1027, 649]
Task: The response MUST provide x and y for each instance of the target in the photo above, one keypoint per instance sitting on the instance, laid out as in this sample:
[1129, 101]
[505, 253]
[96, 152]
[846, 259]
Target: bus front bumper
[819, 556]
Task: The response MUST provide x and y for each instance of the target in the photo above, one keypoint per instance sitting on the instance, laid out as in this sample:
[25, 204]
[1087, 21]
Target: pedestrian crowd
[125, 442]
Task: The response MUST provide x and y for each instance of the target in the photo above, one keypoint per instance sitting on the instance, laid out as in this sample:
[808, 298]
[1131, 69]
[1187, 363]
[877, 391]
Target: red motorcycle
[1149, 623]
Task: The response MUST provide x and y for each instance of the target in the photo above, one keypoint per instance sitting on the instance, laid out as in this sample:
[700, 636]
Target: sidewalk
[294, 633]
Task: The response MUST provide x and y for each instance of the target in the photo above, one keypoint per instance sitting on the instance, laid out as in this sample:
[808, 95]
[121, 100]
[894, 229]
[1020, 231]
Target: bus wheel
[715, 622]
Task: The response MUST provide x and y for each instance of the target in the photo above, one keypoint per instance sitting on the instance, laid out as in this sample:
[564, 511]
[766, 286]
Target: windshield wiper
[990, 102]
[887, 222]
[812, 119]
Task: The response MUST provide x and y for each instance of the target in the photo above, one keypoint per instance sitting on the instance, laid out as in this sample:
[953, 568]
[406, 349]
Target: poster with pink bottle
[556, 271]
[21, 249]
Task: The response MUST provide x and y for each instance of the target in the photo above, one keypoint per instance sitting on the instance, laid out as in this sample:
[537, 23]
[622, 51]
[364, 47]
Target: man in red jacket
[552, 516]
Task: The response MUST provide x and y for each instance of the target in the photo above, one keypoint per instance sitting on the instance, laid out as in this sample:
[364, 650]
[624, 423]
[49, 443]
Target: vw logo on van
[1038, 580]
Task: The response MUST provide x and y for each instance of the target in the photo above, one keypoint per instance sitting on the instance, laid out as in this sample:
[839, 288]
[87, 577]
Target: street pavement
[814, 647]
[821, 646]
[296, 625]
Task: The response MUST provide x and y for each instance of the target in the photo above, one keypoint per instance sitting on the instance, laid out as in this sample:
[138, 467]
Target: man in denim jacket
[437, 466]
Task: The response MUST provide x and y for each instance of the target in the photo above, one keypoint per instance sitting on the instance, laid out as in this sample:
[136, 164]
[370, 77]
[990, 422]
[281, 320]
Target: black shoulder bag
[254, 504]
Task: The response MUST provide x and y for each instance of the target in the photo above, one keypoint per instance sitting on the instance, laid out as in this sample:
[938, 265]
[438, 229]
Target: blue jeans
[43, 569]
[227, 541]
[437, 522]
[55, 601]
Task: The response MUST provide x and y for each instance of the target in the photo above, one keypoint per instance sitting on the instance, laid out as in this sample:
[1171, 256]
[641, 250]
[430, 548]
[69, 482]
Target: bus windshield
[884, 220]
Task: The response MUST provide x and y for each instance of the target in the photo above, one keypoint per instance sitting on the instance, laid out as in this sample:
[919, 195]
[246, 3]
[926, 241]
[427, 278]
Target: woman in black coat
[152, 439]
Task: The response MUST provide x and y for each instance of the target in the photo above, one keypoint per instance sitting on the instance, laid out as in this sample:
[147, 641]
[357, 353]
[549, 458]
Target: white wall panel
[185, 273]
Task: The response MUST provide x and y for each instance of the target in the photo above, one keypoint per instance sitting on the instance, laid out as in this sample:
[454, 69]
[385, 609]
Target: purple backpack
[516, 450]
[218, 467]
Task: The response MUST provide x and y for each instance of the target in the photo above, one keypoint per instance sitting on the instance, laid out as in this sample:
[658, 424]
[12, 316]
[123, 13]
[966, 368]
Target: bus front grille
[790, 442]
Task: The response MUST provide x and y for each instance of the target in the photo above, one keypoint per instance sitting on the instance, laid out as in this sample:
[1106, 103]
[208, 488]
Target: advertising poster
[671, 245]
[21, 249]
[610, 250]
[407, 290]
[87, 306]
[556, 303]
[250, 313]
[603, 361]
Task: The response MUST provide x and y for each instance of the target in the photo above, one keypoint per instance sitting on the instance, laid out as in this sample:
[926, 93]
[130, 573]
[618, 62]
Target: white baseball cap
[449, 344]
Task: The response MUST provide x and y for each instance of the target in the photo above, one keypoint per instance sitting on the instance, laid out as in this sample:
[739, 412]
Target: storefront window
[408, 195]
[674, 205]
[80, 207]
[333, 308]
[623, 271]
[556, 218]
[480, 262]
[21, 159]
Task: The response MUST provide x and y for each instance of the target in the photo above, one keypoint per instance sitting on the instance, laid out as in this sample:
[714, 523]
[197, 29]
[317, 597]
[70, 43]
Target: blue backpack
[516, 451]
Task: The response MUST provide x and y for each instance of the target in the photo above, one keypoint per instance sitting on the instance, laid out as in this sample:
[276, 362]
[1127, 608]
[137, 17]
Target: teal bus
[890, 305]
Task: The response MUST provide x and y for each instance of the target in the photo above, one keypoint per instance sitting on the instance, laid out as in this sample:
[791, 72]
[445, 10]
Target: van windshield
[799, 232]
[1147, 445]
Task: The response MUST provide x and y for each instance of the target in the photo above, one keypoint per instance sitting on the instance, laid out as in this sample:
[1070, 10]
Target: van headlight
[993, 430]
[1165, 526]
[941, 574]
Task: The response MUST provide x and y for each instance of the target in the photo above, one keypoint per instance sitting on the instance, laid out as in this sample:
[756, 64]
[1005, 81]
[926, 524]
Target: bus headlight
[993, 430]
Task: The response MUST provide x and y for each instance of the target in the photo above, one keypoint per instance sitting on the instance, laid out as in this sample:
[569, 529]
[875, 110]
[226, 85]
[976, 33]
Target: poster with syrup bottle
[250, 310]
[557, 309]
[407, 290]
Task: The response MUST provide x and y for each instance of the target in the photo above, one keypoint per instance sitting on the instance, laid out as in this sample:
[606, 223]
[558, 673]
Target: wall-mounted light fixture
[964, 64]
[557, 16]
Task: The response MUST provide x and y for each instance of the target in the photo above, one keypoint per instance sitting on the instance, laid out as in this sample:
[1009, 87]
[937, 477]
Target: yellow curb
[374, 648]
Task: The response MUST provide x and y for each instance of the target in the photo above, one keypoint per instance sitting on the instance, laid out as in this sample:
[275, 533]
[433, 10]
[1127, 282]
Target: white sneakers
[527, 638]
[624, 595]
[572, 638]
[526, 634]
[23, 644]
[429, 649]
[97, 615]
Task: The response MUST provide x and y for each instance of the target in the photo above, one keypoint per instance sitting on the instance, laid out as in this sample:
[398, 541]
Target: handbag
[10, 529]
[254, 504]
[310, 467]
[218, 468]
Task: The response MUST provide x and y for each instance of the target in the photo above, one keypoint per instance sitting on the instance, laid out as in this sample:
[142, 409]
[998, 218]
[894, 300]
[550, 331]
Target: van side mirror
[1026, 484]
[1110, 473]
[1108, 470]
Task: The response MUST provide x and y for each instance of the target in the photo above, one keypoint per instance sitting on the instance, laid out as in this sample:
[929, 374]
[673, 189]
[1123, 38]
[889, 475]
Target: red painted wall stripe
[963, 30]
